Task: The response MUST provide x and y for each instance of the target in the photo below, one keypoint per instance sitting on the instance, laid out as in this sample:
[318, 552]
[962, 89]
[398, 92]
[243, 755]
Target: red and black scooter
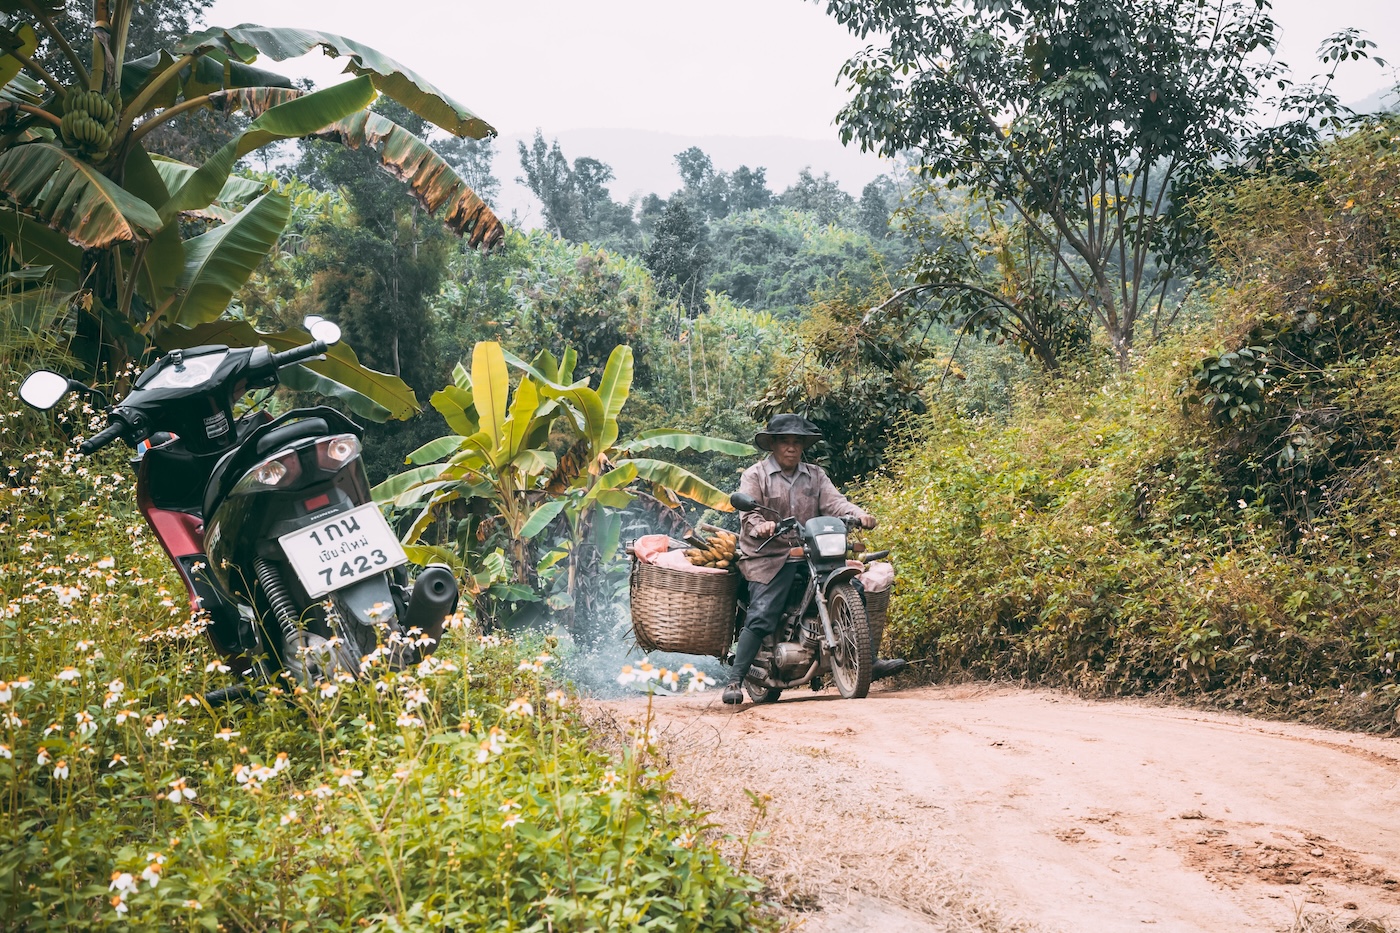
[269, 521]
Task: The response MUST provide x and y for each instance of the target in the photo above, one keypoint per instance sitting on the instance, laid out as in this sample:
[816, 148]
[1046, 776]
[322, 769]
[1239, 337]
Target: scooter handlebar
[299, 354]
[102, 438]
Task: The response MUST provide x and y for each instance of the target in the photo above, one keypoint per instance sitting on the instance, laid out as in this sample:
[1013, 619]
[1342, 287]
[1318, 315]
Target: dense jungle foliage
[1221, 520]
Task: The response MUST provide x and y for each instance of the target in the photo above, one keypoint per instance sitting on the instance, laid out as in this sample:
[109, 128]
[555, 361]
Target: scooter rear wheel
[851, 659]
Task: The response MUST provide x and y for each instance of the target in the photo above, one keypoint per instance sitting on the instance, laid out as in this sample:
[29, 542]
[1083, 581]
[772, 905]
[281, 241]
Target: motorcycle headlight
[334, 452]
[274, 472]
[830, 545]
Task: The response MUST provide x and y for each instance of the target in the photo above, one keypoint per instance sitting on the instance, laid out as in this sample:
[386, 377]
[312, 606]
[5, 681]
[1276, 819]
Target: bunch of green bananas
[89, 118]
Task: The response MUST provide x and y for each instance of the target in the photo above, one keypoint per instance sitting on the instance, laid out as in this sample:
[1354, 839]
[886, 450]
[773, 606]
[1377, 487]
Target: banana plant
[86, 201]
[500, 453]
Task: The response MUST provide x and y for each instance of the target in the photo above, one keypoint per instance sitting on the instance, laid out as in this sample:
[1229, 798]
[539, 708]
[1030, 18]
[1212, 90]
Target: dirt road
[996, 809]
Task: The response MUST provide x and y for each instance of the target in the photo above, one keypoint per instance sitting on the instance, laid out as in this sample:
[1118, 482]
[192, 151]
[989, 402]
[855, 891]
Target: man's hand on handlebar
[765, 529]
[867, 522]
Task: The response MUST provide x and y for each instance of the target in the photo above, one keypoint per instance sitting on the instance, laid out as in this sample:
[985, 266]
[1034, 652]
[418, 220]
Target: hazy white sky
[720, 67]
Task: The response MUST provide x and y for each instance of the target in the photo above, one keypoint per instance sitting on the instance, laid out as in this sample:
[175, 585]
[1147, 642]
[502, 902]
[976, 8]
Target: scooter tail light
[272, 473]
[334, 452]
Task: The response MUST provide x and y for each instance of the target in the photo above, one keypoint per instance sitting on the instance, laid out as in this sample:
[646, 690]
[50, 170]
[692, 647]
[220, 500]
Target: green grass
[465, 794]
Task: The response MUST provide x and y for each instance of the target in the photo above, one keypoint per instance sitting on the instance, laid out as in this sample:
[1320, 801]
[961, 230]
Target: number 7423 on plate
[342, 549]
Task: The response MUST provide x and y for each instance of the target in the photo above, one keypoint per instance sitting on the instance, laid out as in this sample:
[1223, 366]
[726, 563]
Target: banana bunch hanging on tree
[717, 550]
[89, 120]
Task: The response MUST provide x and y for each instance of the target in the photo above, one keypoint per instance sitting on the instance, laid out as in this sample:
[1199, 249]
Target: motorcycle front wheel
[851, 660]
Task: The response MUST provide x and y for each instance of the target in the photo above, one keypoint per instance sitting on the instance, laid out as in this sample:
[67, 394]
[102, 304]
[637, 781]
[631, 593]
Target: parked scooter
[824, 628]
[269, 521]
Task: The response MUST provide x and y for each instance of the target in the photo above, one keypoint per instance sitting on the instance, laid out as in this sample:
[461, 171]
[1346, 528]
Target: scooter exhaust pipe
[433, 599]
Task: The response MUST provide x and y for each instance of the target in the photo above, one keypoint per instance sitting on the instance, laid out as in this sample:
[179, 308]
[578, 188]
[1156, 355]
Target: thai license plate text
[342, 549]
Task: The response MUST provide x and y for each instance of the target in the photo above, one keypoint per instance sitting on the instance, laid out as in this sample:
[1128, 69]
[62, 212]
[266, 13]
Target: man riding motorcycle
[785, 487]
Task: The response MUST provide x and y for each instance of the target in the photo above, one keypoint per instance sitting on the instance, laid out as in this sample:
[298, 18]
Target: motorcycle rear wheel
[851, 659]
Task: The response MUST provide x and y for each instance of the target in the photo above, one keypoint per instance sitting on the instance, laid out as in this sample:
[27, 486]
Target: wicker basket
[688, 613]
[877, 607]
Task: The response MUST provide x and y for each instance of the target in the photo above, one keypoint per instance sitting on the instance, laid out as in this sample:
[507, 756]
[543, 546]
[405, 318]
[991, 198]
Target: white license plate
[341, 549]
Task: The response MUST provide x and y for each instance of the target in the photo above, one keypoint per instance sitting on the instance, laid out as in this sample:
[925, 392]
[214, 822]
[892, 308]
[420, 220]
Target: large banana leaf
[541, 374]
[31, 243]
[400, 483]
[522, 417]
[236, 192]
[246, 41]
[490, 385]
[299, 116]
[432, 181]
[73, 197]
[343, 376]
[671, 439]
[23, 40]
[681, 482]
[455, 404]
[533, 461]
[613, 390]
[435, 450]
[219, 262]
[208, 73]
[22, 89]
[303, 379]
[613, 480]
[163, 260]
[584, 407]
[541, 517]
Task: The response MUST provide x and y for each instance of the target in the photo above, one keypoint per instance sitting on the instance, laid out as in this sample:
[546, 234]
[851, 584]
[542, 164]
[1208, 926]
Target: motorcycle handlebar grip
[102, 438]
[298, 354]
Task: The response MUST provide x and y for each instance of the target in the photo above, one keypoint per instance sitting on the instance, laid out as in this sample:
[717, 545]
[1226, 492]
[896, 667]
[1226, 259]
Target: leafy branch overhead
[1088, 121]
[85, 198]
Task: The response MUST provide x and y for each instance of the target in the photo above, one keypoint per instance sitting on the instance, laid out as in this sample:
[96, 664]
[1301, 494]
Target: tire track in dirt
[995, 809]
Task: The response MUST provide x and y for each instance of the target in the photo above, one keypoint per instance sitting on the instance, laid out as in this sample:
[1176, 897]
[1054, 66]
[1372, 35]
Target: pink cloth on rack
[878, 577]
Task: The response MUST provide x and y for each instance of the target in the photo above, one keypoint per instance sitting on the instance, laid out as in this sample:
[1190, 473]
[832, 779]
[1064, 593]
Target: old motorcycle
[268, 521]
[824, 628]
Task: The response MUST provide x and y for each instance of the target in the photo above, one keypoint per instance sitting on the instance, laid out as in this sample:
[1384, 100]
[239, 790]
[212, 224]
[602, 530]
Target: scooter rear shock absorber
[282, 606]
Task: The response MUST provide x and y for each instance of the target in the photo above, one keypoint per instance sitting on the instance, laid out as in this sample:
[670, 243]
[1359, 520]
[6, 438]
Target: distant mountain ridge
[1386, 98]
[643, 162]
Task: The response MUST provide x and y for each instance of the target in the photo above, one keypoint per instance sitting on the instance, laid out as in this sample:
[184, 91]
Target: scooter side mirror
[43, 388]
[742, 502]
[328, 332]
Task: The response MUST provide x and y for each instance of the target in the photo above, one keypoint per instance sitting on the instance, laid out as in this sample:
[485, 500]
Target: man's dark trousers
[766, 604]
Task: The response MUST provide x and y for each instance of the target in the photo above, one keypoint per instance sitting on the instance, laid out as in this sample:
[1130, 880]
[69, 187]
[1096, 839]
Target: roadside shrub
[1224, 521]
[1094, 541]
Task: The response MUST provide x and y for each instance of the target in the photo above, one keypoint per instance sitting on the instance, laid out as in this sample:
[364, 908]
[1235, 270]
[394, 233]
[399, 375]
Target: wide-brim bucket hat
[795, 425]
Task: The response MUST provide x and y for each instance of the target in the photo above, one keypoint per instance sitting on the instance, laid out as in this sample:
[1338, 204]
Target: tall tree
[748, 189]
[549, 176]
[679, 255]
[577, 203]
[1082, 116]
[821, 197]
